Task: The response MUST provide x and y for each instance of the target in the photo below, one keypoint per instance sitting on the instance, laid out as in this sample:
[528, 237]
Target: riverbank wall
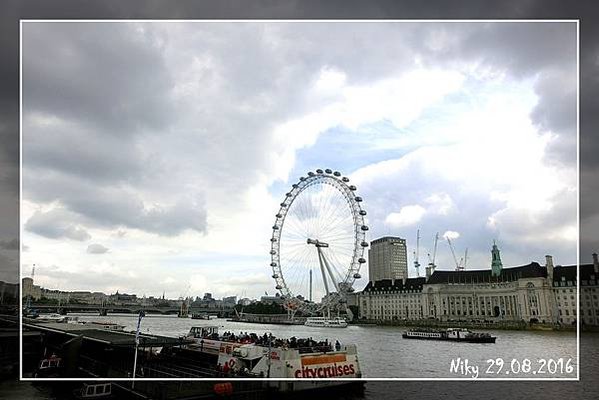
[495, 325]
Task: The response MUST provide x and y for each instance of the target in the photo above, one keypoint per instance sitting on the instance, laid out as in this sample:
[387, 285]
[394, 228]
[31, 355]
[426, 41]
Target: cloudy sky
[155, 154]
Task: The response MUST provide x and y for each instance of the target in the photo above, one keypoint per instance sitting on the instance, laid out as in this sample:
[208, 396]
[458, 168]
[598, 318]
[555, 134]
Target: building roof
[396, 285]
[387, 238]
[532, 270]
[113, 338]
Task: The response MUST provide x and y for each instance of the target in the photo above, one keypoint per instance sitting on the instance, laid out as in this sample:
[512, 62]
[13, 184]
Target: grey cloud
[72, 149]
[224, 106]
[109, 75]
[90, 279]
[55, 224]
[9, 244]
[109, 207]
[96, 248]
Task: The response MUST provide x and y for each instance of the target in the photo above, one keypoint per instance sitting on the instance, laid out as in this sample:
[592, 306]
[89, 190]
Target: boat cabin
[457, 333]
[203, 331]
[94, 391]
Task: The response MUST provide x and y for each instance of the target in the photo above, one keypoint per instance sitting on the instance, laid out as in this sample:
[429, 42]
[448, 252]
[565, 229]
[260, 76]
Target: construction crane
[416, 263]
[455, 259]
[431, 260]
[459, 265]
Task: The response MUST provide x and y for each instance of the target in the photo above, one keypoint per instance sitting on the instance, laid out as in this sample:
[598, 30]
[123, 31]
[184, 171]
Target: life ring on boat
[223, 389]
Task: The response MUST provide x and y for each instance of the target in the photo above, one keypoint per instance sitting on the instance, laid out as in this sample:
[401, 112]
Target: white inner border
[365, 379]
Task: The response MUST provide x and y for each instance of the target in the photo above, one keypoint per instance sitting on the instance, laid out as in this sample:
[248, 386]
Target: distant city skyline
[155, 154]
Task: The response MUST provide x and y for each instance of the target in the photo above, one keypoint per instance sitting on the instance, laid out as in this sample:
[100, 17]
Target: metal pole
[141, 315]
[324, 277]
[330, 271]
[310, 285]
[134, 365]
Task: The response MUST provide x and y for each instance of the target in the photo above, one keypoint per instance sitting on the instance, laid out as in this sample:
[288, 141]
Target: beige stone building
[29, 289]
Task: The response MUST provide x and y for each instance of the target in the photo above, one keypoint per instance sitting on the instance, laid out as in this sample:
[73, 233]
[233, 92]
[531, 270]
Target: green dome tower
[496, 264]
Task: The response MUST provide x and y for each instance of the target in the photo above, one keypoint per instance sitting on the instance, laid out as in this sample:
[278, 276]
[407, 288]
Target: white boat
[111, 326]
[267, 357]
[335, 322]
[52, 318]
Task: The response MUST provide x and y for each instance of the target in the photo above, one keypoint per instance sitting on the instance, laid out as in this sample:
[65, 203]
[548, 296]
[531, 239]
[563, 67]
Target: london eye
[318, 242]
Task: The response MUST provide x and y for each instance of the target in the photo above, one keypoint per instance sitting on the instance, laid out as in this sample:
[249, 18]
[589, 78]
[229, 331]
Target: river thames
[383, 353]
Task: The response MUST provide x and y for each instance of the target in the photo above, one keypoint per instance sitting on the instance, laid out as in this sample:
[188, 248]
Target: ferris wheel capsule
[357, 276]
[364, 228]
[345, 179]
[362, 212]
[361, 260]
[337, 173]
[328, 171]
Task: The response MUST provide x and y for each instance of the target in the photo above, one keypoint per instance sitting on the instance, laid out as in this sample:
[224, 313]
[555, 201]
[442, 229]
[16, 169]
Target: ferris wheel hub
[317, 243]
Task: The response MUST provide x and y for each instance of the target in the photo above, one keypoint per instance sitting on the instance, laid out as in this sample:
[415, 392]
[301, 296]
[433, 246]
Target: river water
[383, 353]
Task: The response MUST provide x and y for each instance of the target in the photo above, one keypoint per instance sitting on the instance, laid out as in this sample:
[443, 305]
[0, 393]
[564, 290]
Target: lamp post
[141, 315]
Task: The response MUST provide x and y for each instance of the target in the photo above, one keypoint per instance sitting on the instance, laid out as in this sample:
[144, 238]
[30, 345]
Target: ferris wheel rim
[341, 183]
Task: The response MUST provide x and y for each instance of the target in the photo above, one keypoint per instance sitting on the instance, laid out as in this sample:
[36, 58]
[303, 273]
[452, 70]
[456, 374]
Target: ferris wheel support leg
[326, 263]
[324, 277]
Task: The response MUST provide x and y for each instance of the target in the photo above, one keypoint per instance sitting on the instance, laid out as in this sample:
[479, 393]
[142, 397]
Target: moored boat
[51, 318]
[203, 316]
[451, 334]
[111, 326]
[250, 355]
